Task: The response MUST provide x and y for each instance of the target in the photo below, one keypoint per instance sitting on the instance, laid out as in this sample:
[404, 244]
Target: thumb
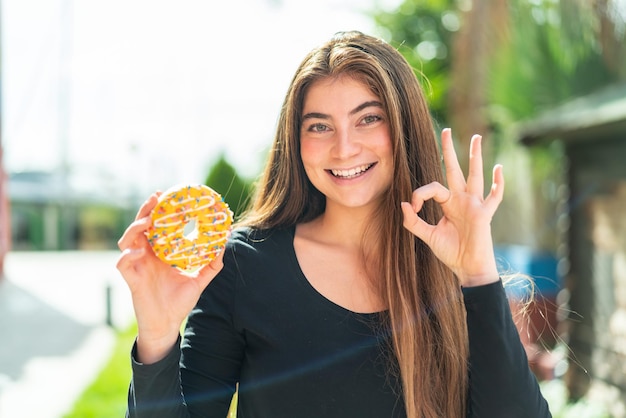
[207, 273]
[414, 224]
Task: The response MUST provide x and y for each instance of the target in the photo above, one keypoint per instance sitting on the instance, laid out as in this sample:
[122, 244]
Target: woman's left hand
[462, 237]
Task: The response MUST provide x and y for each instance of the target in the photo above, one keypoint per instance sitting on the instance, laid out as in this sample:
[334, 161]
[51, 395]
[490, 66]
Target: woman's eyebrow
[318, 115]
[362, 106]
[315, 115]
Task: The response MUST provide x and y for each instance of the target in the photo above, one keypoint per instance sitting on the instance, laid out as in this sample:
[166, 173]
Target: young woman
[357, 285]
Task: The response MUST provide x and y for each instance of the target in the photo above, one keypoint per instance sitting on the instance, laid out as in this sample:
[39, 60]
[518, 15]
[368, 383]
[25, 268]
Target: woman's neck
[339, 261]
[344, 226]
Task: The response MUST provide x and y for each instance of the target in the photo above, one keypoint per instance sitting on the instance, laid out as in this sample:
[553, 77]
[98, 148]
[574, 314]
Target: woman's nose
[346, 144]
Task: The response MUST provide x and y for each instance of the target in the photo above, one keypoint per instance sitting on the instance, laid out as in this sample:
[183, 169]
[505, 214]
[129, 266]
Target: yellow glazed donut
[190, 226]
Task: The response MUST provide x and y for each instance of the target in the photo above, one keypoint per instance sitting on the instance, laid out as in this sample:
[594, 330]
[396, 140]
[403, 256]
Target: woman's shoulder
[256, 237]
[251, 251]
[251, 243]
[253, 254]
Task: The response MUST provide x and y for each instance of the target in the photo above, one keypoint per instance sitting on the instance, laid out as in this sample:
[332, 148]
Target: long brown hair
[426, 315]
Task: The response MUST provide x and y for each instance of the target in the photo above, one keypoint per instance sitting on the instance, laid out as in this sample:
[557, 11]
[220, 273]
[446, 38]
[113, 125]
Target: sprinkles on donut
[190, 226]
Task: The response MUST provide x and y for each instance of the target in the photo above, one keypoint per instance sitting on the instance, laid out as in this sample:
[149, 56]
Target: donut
[190, 226]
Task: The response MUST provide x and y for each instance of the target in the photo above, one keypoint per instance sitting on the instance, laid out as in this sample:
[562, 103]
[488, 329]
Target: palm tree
[484, 30]
[486, 64]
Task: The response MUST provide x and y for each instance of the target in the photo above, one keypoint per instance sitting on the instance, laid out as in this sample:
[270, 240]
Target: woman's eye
[371, 119]
[317, 127]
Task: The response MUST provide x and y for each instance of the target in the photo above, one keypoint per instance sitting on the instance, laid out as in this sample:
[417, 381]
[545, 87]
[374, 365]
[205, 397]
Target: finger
[126, 261]
[147, 206]
[475, 178]
[434, 190]
[140, 224]
[496, 194]
[454, 174]
[134, 232]
[414, 224]
[129, 256]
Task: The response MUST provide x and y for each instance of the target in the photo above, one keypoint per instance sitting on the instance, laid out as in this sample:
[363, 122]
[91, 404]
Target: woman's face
[345, 143]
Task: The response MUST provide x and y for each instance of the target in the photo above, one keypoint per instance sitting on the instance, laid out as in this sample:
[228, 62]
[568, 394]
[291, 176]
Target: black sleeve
[155, 388]
[213, 347]
[501, 383]
[199, 376]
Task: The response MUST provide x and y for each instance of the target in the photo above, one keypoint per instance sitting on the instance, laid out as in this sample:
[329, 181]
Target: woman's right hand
[162, 295]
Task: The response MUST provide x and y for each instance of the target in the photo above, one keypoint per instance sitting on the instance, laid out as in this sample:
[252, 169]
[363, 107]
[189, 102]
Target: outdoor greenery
[538, 53]
[423, 32]
[488, 65]
[556, 394]
[235, 190]
[485, 69]
[106, 396]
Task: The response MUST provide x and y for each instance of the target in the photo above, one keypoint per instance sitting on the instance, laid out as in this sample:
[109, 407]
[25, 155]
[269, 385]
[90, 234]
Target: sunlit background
[103, 102]
[140, 94]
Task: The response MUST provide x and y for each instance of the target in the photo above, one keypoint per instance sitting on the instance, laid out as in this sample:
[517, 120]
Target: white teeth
[353, 172]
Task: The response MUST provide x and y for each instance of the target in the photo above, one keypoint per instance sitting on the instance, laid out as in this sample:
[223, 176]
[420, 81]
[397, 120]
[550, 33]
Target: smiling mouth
[352, 173]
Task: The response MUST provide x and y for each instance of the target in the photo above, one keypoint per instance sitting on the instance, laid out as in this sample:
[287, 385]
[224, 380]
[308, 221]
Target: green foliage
[555, 393]
[422, 31]
[106, 396]
[99, 226]
[548, 52]
[555, 51]
[235, 190]
[553, 55]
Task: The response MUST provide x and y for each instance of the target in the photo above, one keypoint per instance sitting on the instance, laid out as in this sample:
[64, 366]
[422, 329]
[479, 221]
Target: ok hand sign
[462, 237]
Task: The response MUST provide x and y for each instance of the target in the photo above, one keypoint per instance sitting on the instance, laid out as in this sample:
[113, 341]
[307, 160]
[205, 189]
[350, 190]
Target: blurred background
[104, 102]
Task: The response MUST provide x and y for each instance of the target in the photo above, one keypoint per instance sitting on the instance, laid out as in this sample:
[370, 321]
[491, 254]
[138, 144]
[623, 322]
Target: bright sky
[151, 91]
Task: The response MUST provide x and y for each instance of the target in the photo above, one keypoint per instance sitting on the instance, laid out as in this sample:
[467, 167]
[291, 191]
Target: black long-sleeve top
[295, 354]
